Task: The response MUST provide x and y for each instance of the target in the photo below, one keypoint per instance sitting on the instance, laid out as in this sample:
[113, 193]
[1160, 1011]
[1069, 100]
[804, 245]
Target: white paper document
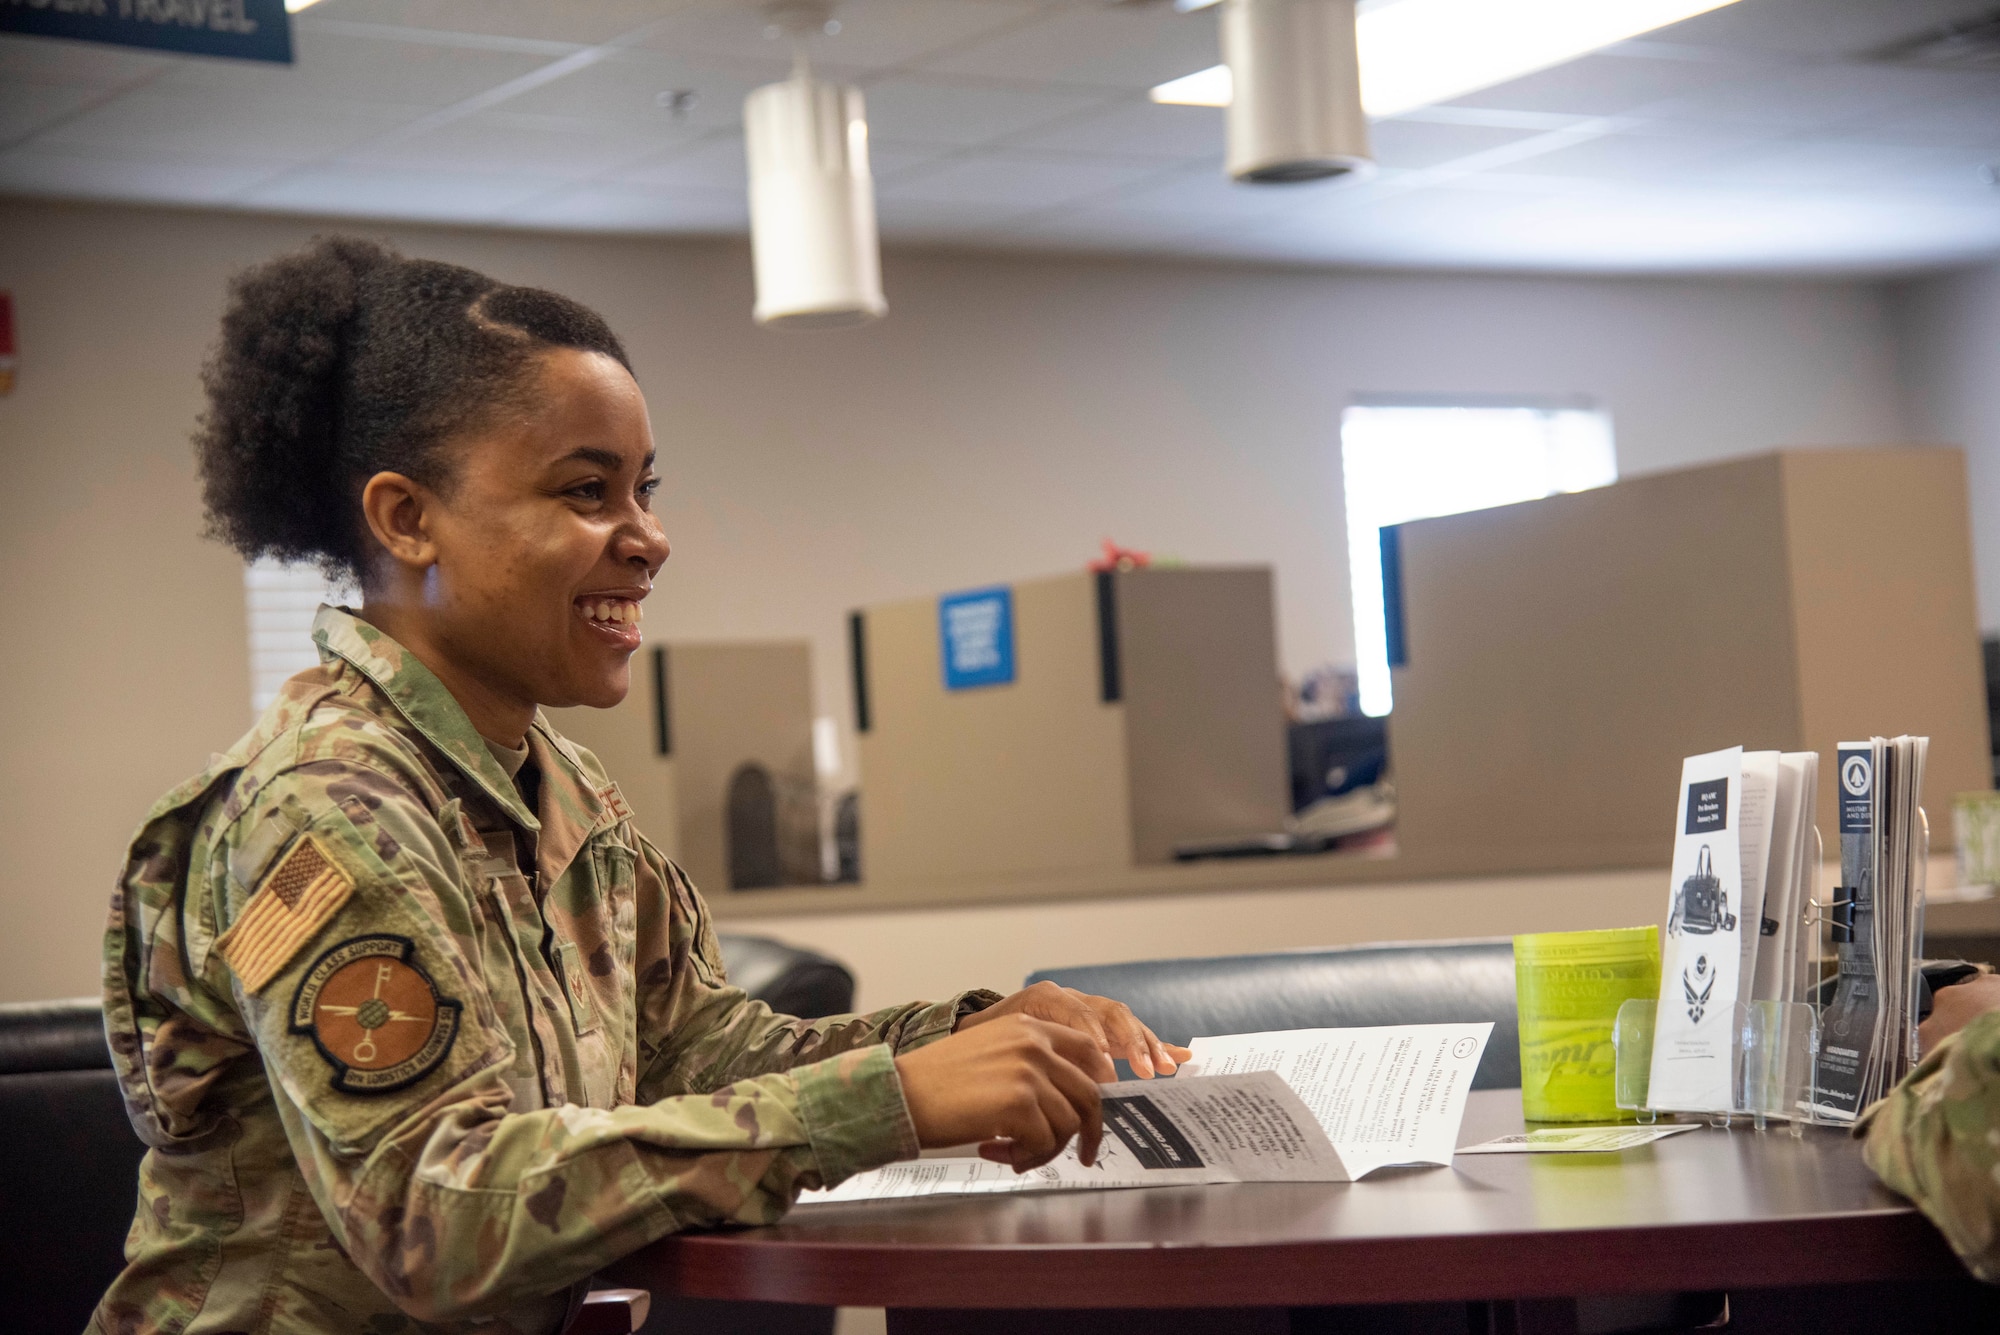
[1577, 1139]
[1391, 1094]
[1703, 951]
[1309, 1105]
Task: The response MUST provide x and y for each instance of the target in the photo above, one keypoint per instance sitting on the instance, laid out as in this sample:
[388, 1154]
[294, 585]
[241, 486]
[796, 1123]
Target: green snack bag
[1568, 987]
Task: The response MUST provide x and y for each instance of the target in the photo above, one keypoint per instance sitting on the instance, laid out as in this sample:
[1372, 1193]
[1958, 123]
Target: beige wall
[1010, 413]
[897, 956]
[1948, 342]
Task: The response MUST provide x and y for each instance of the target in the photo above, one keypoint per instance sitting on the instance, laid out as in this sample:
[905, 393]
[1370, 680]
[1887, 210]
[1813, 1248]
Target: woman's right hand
[1020, 1086]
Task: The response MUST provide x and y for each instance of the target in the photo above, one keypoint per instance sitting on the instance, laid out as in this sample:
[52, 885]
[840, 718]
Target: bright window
[281, 601]
[1413, 461]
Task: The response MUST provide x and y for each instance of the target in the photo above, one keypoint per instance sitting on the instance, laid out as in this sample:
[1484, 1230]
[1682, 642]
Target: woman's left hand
[1111, 1024]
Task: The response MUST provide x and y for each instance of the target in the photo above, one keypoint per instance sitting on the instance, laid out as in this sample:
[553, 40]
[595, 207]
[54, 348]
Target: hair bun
[345, 360]
[269, 441]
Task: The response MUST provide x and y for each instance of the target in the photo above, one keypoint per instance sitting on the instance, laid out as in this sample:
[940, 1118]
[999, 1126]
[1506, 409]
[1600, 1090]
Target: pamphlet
[1308, 1105]
[1788, 884]
[1868, 1033]
[1758, 813]
[1578, 1139]
[1702, 955]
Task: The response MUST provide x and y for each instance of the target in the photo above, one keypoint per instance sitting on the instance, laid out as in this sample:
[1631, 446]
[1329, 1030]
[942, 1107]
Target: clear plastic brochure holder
[1775, 1062]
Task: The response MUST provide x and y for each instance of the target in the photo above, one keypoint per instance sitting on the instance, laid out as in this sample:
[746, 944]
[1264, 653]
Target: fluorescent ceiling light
[294, 6]
[1211, 87]
[1417, 52]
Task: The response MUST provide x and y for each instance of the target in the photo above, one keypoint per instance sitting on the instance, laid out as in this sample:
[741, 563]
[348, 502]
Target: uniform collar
[422, 699]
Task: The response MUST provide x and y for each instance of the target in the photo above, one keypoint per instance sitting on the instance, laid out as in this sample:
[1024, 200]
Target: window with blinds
[281, 600]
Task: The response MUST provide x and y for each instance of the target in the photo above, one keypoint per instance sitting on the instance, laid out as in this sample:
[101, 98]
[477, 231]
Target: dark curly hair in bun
[345, 360]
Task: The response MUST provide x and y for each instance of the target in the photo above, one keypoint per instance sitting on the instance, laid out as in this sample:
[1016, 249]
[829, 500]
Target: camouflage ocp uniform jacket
[1936, 1139]
[410, 1056]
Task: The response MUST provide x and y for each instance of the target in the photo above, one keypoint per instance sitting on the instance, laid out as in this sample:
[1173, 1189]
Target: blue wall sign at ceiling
[245, 29]
[976, 635]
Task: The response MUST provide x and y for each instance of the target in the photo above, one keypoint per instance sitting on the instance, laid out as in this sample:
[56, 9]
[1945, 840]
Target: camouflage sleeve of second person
[357, 972]
[697, 1032]
[1936, 1140]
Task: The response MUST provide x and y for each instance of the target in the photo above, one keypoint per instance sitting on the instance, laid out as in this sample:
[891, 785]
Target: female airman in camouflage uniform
[419, 1029]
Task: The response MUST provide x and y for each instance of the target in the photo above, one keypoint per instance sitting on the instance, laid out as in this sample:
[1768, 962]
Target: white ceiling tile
[891, 159]
[246, 128]
[1816, 98]
[1135, 128]
[364, 70]
[1647, 152]
[1204, 196]
[28, 105]
[597, 21]
[84, 64]
[633, 208]
[1817, 28]
[874, 34]
[1404, 144]
[1963, 112]
[629, 88]
[929, 111]
[715, 163]
[1753, 136]
[1130, 47]
[390, 192]
[1823, 163]
[503, 142]
[1018, 181]
[1607, 85]
[153, 176]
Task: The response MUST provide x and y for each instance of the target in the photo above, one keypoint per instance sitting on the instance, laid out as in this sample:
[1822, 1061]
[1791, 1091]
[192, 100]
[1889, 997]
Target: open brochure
[1307, 1105]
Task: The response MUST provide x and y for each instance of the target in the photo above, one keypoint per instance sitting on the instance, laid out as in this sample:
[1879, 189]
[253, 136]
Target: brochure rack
[1776, 1043]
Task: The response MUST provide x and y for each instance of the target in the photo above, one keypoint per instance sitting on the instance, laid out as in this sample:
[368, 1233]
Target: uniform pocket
[582, 1010]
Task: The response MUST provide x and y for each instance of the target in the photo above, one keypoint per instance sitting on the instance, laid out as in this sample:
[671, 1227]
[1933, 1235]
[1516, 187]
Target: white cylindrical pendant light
[812, 205]
[1295, 114]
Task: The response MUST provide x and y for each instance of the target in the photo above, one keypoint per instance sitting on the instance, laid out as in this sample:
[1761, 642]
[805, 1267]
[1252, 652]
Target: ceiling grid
[1769, 135]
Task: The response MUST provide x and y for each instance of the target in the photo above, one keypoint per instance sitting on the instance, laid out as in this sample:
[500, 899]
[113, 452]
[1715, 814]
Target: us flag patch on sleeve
[296, 898]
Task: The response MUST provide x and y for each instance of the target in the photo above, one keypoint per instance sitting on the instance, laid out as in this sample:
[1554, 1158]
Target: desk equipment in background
[713, 750]
[1086, 722]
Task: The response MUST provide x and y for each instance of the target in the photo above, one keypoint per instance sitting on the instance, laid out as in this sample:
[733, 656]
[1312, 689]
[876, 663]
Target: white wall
[1949, 344]
[1009, 413]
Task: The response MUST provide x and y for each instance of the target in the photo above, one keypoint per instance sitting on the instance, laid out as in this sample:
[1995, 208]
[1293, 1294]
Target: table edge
[1884, 1244]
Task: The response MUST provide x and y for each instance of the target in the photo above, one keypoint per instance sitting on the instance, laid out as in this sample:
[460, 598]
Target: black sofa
[69, 1163]
[1426, 982]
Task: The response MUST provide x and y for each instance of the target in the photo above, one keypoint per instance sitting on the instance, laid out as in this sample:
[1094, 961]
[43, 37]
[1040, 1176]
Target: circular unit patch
[374, 1015]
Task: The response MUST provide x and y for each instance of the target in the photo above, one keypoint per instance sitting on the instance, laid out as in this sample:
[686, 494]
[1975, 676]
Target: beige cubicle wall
[695, 714]
[1144, 713]
[1563, 656]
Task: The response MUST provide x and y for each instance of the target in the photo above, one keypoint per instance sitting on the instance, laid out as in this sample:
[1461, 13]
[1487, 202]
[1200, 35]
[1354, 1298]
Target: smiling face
[520, 583]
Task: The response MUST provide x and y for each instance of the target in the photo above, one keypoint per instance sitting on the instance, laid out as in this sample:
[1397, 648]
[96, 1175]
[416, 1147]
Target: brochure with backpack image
[1702, 957]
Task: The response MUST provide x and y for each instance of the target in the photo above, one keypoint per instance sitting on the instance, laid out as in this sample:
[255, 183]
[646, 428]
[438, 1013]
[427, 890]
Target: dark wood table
[1710, 1209]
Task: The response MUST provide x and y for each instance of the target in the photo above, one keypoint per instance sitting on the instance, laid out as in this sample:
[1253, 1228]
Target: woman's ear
[399, 513]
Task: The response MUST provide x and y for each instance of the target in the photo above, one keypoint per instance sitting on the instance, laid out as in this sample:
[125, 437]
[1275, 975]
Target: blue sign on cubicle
[976, 635]
[245, 29]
